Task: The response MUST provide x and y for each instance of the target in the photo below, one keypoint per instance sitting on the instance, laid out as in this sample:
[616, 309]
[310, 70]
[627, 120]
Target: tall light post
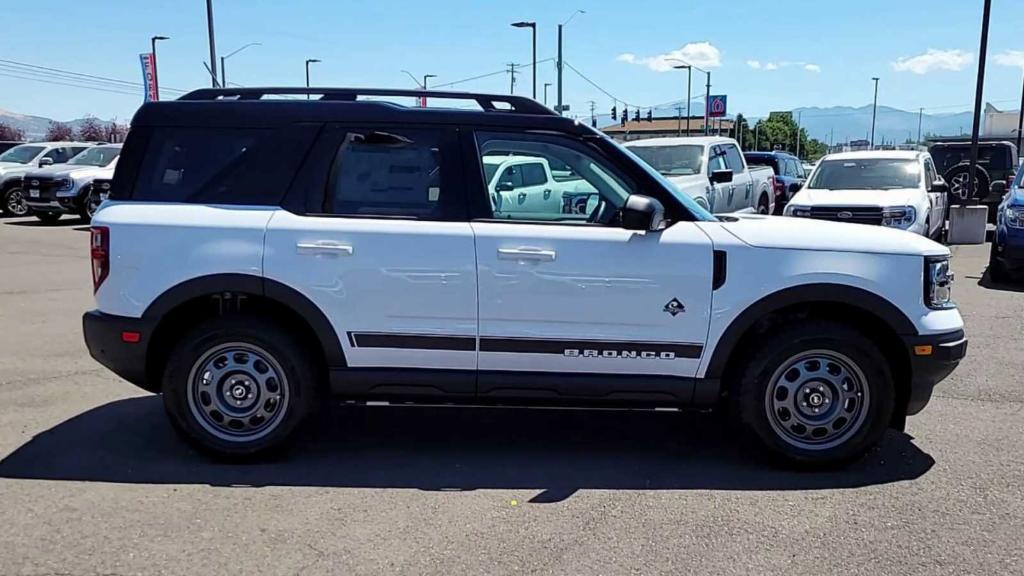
[982, 52]
[223, 69]
[308, 62]
[874, 112]
[532, 26]
[1020, 118]
[560, 66]
[213, 44]
[689, 81]
[707, 103]
[156, 81]
[546, 84]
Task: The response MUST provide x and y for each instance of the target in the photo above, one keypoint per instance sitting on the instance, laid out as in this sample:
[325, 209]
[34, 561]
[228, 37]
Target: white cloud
[756, 65]
[700, 54]
[1013, 58]
[933, 60]
[771, 66]
[812, 67]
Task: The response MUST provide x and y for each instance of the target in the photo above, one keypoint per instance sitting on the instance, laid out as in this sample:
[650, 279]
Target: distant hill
[892, 124]
[35, 126]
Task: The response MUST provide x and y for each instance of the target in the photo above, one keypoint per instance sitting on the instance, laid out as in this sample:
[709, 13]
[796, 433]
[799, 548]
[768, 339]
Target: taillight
[99, 247]
[778, 186]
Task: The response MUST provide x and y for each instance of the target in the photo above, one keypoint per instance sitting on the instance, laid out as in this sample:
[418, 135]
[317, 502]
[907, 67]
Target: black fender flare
[214, 284]
[818, 293]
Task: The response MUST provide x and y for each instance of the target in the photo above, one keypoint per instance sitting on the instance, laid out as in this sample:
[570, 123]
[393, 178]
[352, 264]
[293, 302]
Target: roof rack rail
[487, 102]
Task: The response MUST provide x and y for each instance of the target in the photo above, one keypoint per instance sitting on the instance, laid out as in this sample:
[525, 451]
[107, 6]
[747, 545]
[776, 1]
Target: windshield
[98, 156]
[21, 154]
[694, 208]
[672, 160]
[866, 174]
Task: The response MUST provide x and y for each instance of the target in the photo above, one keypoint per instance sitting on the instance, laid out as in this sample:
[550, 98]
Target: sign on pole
[717, 106]
[148, 77]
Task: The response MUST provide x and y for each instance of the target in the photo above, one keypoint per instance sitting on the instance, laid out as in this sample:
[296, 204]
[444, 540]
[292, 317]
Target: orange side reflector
[131, 337]
[923, 350]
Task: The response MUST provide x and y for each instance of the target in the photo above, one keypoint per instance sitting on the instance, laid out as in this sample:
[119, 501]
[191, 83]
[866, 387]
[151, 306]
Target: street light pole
[1020, 118]
[874, 112]
[223, 69]
[561, 63]
[156, 81]
[546, 84]
[533, 27]
[982, 52]
[689, 78]
[308, 62]
[920, 117]
[213, 44]
[707, 104]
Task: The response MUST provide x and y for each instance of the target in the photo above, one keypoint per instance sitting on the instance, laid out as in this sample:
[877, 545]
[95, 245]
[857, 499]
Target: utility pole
[213, 45]
[558, 107]
[1020, 118]
[679, 116]
[798, 118]
[982, 53]
[546, 84]
[512, 74]
[593, 117]
[920, 116]
[707, 104]
[156, 82]
[874, 111]
[757, 130]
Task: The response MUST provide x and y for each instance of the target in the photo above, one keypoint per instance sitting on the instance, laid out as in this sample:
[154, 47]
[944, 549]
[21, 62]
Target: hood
[1016, 197]
[71, 170]
[14, 168]
[807, 234]
[11, 165]
[826, 197]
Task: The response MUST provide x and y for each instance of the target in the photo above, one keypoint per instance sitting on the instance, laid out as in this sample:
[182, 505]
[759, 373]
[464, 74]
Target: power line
[617, 99]
[96, 88]
[75, 76]
[489, 74]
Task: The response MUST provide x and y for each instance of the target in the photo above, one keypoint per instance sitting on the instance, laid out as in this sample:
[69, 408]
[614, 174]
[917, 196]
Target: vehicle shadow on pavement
[448, 449]
[34, 223]
[986, 282]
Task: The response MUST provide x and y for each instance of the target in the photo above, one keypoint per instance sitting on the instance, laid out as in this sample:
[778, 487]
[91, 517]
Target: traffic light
[636, 115]
[650, 115]
[625, 115]
[613, 113]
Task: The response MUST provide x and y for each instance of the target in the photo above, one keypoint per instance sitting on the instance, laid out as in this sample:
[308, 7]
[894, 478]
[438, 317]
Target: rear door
[381, 244]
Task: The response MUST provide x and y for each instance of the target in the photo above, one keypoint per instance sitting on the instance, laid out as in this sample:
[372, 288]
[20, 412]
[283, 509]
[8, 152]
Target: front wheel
[996, 270]
[14, 202]
[815, 394]
[90, 204]
[239, 387]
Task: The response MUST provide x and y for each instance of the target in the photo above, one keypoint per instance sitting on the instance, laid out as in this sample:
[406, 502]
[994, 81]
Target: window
[867, 174]
[21, 154]
[98, 156]
[59, 155]
[792, 168]
[589, 190]
[390, 173]
[717, 159]
[798, 169]
[682, 160]
[930, 176]
[733, 158]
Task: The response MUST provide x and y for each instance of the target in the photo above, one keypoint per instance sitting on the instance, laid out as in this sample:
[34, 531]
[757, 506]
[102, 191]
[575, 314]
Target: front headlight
[65, 185]
[938, 283]
[1014, 216]
[902, 217]
[797, 210]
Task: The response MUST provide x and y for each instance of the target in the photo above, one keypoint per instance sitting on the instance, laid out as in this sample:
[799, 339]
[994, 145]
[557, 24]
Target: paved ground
[92, 479]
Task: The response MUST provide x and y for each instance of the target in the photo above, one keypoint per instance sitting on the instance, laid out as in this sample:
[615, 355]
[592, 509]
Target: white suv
[15, 162]
[256, 254]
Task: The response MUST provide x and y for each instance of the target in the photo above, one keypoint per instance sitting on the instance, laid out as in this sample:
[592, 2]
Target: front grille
[46, 185]
[854, 214]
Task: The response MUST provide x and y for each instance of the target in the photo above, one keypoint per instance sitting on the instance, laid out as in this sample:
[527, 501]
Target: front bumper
[1009, 247]
[932, 358]
[106, 341]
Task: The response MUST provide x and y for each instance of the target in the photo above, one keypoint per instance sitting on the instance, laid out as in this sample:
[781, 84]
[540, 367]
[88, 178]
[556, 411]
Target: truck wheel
[815, 394]
[47, 217]
[996, 271]
[238, 387]
[14, 202]
[958, 177]
[762, 205]
[89, 205]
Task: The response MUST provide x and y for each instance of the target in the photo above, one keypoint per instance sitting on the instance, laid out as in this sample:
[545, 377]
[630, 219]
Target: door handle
[526, 254]
[324, 247]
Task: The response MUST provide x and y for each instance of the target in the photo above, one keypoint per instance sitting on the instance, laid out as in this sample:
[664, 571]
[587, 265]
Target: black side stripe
[547, 346]
[411, 341]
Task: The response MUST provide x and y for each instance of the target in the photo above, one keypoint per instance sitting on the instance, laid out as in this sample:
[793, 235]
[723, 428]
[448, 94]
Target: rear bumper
[932, 358]
[105, 339]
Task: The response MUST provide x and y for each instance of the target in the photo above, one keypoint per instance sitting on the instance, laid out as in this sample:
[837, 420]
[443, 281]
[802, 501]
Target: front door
[386, 252]
[575, 293]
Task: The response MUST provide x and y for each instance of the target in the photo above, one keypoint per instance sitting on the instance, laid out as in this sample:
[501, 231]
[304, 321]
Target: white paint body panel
[402, 276]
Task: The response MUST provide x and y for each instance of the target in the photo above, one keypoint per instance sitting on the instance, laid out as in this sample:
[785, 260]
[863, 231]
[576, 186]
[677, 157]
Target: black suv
[996, 161]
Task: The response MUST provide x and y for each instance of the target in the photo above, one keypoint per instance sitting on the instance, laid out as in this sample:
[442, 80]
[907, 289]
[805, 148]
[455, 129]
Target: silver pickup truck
[712, 171]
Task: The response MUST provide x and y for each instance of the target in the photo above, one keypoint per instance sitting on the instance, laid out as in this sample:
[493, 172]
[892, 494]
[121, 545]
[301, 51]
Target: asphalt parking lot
[92, 479]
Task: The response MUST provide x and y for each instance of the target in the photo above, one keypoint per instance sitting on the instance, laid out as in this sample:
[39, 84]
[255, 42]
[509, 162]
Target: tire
[996, 270]
[703, 203]
[14, 202]
[823, 366]
[47, 217]
[762, 205]
[266, 387]
[957, 178]
[89, 205]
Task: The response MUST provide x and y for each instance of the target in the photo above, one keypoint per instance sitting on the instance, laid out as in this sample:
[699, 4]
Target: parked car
[62, 188]
[257, 254]
[1006, 261]
[524, 185]
[789, 174]
[15, 162]
[996, 161]
[898, 189]
[6, 145]
[712, 171]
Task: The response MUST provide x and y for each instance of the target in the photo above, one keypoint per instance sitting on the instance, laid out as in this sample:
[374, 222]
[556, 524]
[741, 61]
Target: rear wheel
[90, 204]
[762, 205]
[815, 394]
[47, 217]
[14, 202]
[239, 387]
[996, 270]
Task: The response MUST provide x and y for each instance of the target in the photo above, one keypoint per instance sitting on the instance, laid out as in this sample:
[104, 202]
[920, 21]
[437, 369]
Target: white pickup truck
[523, 185]
[712, 171]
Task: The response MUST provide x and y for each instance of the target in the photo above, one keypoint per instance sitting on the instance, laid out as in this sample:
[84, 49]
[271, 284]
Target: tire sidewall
[299, 377]
[836, 338]
[6, 196]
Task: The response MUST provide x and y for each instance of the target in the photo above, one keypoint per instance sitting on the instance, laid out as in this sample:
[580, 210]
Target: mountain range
[35, 127]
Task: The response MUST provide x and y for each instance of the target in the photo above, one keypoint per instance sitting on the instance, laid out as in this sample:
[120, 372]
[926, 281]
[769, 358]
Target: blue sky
[765, 55]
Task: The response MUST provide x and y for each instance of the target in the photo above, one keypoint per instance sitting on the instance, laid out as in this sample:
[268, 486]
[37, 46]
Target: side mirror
[643, 213]
[504, 187]
[941, 186]
[998, 187]
[721, 176]
[44, 162]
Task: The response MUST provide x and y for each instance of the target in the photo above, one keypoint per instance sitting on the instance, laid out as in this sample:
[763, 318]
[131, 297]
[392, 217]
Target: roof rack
[487, 102]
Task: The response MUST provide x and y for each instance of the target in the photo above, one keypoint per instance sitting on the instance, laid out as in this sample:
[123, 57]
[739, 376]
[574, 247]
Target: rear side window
[389, 173]
[533, 175]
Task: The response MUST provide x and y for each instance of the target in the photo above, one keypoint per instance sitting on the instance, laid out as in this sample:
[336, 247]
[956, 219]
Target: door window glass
[733, 158]
[717, 159]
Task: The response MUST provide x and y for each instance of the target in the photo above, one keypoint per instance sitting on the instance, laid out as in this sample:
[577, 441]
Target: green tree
[779, 132]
